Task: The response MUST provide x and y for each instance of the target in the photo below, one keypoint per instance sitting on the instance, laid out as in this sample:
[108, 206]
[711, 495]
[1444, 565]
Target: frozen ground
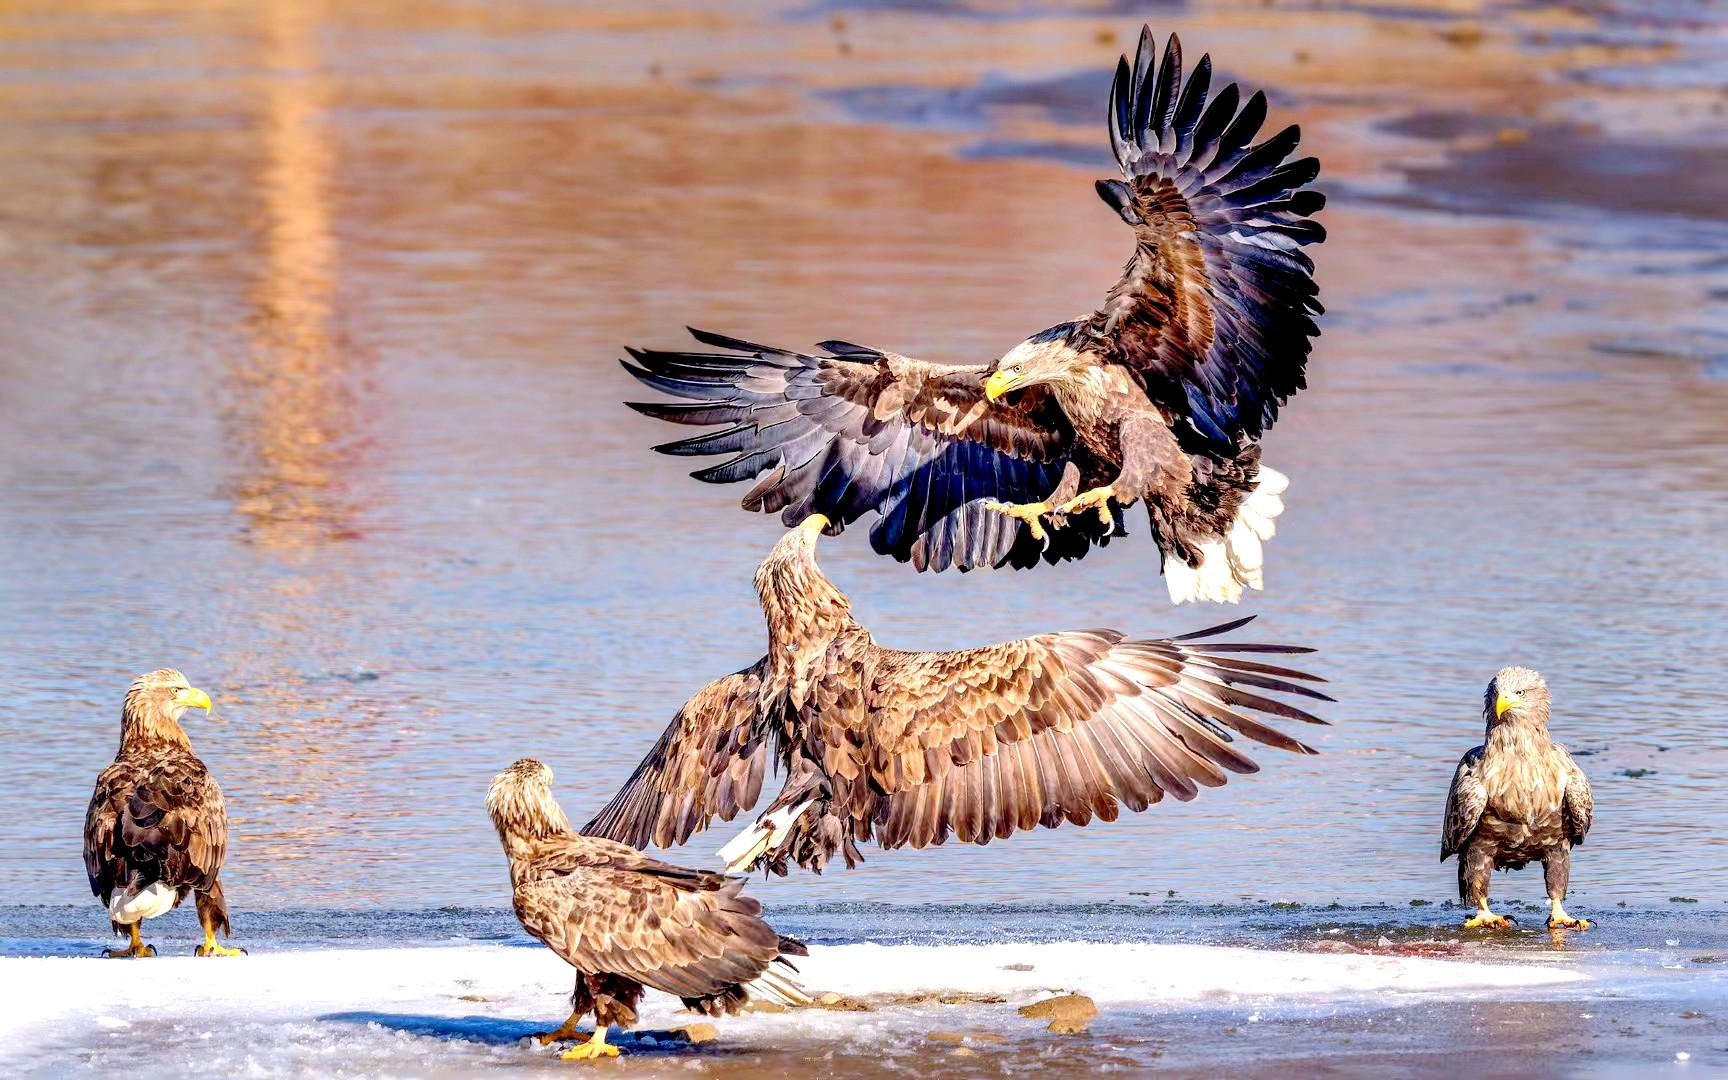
[1345, 992]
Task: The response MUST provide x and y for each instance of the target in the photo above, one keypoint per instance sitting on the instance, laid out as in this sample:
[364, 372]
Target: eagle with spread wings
[1159, 396]
[910, 748]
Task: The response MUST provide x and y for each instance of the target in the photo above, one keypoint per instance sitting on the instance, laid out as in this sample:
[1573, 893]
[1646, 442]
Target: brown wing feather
[1465, 801]
[862, 430]
[1214, 313]
[1061, 727]
[709, 762]
[1577, 802]
[158, 816]
[685, 932]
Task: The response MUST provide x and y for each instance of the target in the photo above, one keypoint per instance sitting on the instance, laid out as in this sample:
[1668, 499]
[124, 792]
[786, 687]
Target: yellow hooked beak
[813, 525]
[999, 383]
[193, 698]
[1504, 701]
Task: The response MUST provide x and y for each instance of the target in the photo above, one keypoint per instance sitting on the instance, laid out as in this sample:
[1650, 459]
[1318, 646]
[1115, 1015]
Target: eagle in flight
[910, 748]
[1159, 396]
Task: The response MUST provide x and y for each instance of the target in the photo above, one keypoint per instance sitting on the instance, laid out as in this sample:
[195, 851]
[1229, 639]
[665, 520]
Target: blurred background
[309, 315]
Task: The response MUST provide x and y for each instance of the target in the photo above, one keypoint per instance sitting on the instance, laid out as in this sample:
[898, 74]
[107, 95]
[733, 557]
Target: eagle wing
[161, 817]
[1061, 727]
[1214, 314]
[709, 763]
[1465, 802]
[615, 911]
[860, 430]
[1577, 802]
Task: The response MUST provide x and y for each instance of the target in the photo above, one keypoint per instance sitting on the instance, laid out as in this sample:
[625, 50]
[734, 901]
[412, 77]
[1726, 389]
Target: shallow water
[307, 327]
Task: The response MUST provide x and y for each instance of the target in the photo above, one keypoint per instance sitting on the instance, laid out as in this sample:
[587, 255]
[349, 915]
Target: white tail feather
[776, 984]
[1234, 563]
[742, 851]
[147, 903]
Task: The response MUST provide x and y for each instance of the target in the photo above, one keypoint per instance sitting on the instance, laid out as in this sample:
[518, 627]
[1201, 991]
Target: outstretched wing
[681, 932]
[1577, 802]
[1062, 727]
[1215, 311]
[859, 430]
[1465, 802]
[708, 763]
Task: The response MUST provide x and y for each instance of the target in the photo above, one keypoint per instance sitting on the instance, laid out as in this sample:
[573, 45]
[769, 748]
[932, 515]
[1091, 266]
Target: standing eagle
[157, 828]
[1516, 799]
[1160, 395]
[624, 920]
[907, 748]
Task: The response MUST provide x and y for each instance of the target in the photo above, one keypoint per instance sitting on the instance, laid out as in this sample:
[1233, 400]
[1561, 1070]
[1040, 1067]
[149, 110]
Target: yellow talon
[566, 1030]
[210, 948]
[1098, 497]
[1486, 918]
[1027, 512]
[1558, 918]
[596, 1047]
[133, 951]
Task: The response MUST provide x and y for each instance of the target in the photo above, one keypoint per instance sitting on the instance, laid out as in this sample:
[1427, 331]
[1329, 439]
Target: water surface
[308, 328]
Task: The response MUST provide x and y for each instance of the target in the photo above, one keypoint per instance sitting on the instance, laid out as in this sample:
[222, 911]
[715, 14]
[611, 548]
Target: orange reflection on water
[293, 377]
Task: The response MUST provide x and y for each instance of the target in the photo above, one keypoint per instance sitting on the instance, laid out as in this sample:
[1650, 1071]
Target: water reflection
[456, 550]
[295, 406]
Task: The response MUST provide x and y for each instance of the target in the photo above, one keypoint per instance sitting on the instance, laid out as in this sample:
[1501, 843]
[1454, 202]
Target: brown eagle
[625, 921]
[157, 828]
[907, 748]
[1516, 799]
[1160, 395]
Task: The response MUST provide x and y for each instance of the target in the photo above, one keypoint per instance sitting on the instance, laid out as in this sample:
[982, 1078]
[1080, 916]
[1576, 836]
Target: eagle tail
[1233, 563]
[776, 985]
[770, 831]
[156, 898]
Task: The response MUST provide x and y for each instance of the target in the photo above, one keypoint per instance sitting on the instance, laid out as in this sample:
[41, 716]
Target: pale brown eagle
[624, 920]
[157, 828]
[1161, 395]
[908, 748]
[1517, 798]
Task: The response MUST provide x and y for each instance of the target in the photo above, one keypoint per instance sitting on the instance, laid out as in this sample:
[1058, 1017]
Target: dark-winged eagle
[157, 828]
[908, 748]
[1161, 395]
[1517, 798]
[625, 921]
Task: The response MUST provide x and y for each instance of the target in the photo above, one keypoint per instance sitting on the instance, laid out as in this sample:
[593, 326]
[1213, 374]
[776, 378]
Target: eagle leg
[210, 948]
[1098, 497]
[1558, 917]
[596, 1047]
[132, 951]
[566, 1030]
[1030, 513]
[1487, 918]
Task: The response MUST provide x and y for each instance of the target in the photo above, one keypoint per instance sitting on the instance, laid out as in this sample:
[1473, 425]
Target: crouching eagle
[1516, 799]
[625, 921]
[1160, 396]
[908, 748]
[157, 828]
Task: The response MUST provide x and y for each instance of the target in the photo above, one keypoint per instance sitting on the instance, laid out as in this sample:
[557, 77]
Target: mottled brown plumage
[909, 748]
[624, 920]
[1159, 396]
[1516, 799]
[157, 828]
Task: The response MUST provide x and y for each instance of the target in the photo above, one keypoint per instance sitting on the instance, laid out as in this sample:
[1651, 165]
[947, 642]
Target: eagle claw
[1489, 920]
[1030, 513]
[218, 950]
[1098, 497]
[588, 1051]
[130, 953]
